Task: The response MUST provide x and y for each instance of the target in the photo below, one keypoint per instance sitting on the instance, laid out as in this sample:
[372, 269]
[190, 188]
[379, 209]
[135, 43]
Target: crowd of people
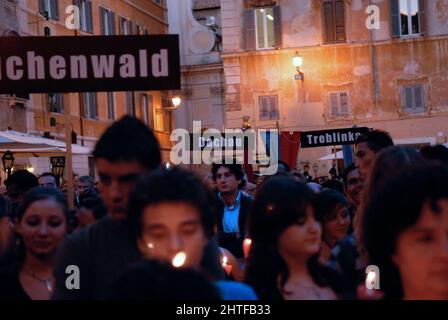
[148, 232]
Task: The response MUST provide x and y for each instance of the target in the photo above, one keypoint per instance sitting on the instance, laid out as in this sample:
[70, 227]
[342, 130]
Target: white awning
[331, 156]
[26, 145]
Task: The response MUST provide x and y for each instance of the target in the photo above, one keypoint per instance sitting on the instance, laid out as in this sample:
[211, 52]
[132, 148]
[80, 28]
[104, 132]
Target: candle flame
[179, 259]
[371, 276]
[150, 245]
[224, 261]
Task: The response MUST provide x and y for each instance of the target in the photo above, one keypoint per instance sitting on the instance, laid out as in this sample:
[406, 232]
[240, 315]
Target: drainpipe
[373, 69]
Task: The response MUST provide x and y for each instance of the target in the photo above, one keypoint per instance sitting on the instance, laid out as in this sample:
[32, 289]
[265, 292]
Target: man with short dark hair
[48, 180]
[367, 147]
[232, 208]
[125, 151]
[17, 185]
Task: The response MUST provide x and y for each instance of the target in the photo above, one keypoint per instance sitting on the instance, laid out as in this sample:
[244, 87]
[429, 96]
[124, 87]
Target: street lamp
[297, 61]
[8, 162]
[57, 166]
[176, 101]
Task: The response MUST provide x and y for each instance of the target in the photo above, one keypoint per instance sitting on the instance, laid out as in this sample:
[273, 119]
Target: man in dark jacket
[233, 207]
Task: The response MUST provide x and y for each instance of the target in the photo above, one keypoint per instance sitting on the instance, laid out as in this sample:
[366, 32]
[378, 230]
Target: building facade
[198, 24]
[382, 66]
[90, 112]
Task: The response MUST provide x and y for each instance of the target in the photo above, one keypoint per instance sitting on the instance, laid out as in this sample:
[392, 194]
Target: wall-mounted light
[176, 101]
[8, 162]
[297, 61]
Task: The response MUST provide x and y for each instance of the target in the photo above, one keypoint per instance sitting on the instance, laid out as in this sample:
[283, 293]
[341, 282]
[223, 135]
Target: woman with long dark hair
[41, 224]
[406, 234]
[286, 238]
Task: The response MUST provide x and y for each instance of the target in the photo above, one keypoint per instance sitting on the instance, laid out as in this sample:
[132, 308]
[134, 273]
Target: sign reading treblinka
[334, 137]
[89, 63]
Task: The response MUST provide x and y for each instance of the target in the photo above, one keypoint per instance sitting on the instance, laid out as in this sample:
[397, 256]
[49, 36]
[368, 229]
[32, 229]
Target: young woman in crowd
[406, 234]
[331, 211]
[41, 224]
[172, 219]
[349, 256]
[284, 258]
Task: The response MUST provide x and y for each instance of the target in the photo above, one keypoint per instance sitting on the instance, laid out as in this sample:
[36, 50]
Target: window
[55, 102]
[107, 22]
[110, 105]
[263, 28]
[334, 21]
[414, 98]
[141, 30]
[268, 106]
[147, 109]
[49, 7]
[125, 26]
[85, 15]
[90, 105]
[339, 103]
[129, 103]
[407, 18]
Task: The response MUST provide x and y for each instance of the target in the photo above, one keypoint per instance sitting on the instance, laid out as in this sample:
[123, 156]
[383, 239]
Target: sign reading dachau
[334, 137]
[89, 63]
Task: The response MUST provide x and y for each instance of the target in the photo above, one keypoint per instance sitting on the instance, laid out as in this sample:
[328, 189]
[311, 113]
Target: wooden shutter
[121, 26]
[419, 98]
[329, 22]
[339, 17]
[395, 18]
[264, 108]
[250, 36]
[344, 102]
[95, 105]
[42, 6]
[422, 17]
[102, 21]
[278, 34]
[130, 26]
[111, 23]
[334, 104]
[89, 26]
[408, 99]
[55, 10]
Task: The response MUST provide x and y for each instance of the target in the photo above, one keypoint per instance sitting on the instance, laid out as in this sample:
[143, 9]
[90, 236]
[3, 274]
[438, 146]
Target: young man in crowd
[353, 190]
[233, 207]
[127, 149]
[48, 180]
[367, 147]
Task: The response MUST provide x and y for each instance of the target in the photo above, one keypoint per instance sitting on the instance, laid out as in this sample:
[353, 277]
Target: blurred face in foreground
[173, 232]
[422, 255]
[365, 157]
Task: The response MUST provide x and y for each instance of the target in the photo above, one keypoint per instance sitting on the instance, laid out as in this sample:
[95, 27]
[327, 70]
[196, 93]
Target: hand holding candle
[247, 243]
[227, 267]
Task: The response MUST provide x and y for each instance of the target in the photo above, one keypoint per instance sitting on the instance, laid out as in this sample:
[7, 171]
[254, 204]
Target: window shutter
[328, 21]
[95, 105]
[249, 30]
[111, 23]
[55, 9]
[102, 21]
[42, 6]
[278, 34]
[345, 105]
[395, 18]
[422, 17]
[419, 98]
[264, 113]
[121, 25]
[273, 108]
[130, 27]
[150, 112]
[339, 21]
[334, 108]
[89, 19]
[408, 99]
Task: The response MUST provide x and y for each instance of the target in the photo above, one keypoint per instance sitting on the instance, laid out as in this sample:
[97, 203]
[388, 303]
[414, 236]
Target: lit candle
[370, 282]
[227, 267]
[179, 259]
[247, 243]
[150, 245]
